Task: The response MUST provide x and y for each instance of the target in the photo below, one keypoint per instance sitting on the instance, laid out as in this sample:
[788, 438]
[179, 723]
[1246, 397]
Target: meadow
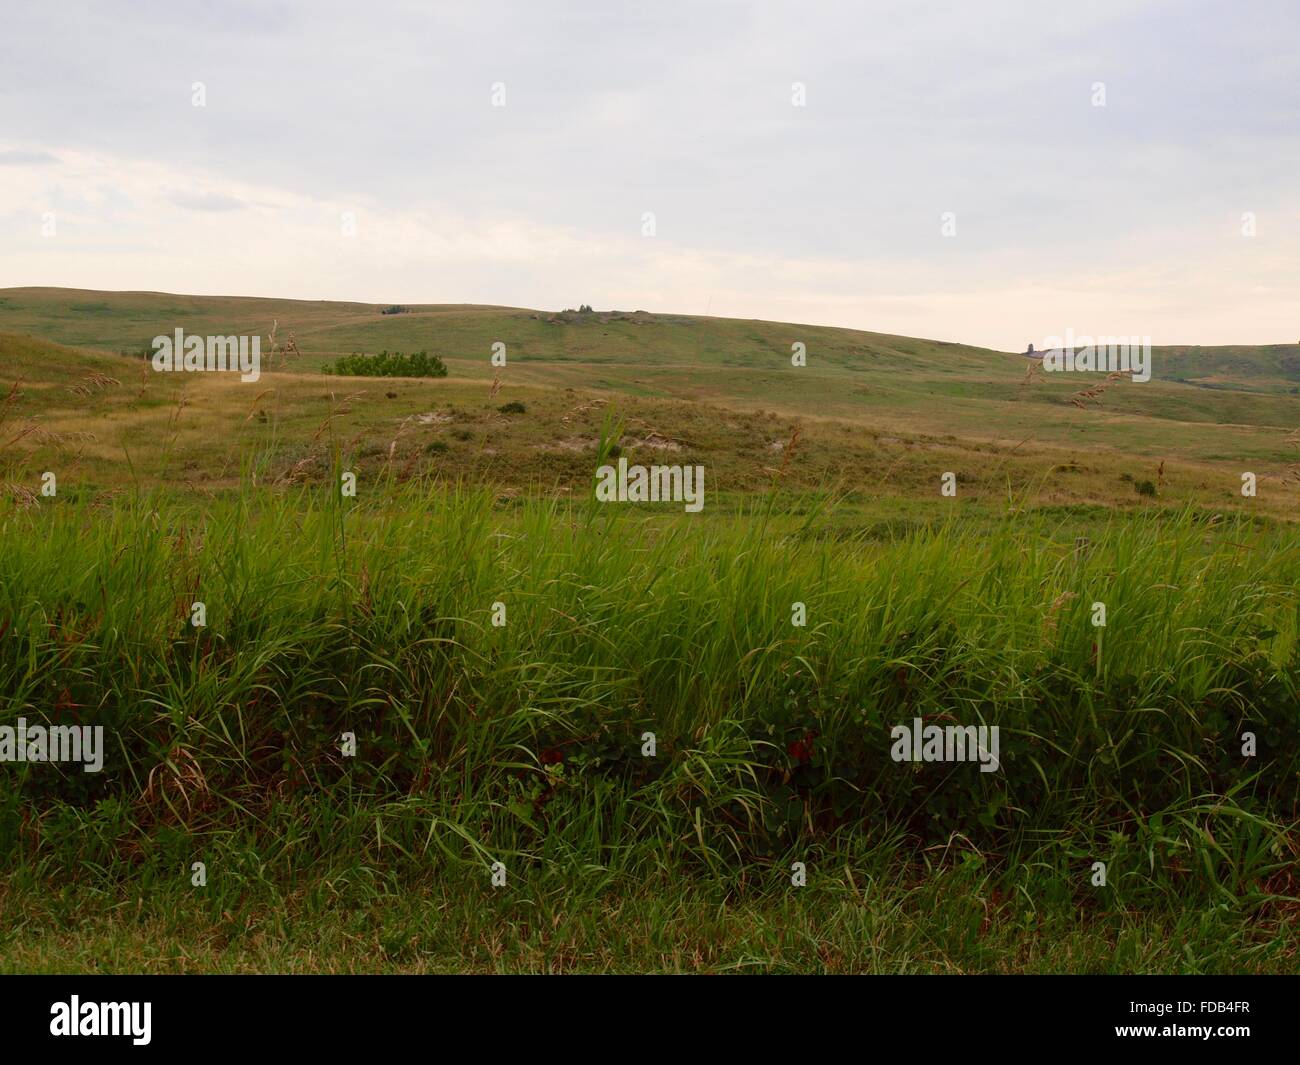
[599, 737]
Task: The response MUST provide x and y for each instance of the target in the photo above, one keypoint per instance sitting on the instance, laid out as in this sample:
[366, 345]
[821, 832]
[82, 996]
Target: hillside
[877, 414]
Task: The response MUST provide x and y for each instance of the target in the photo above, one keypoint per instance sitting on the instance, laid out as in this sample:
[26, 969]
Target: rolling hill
[877, 415]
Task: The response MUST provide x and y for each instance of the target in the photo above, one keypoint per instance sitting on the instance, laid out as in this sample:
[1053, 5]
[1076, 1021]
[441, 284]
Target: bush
[387, 364]
[512, 408]
[1145, 488]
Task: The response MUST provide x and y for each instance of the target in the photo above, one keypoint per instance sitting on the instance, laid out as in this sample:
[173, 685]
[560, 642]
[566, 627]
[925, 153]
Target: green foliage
[144, 352]
[373, 617]
[387, 364]
[523, 743]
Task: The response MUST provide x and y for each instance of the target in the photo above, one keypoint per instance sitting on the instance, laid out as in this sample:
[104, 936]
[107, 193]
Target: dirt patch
[574, 443]
[653, 441]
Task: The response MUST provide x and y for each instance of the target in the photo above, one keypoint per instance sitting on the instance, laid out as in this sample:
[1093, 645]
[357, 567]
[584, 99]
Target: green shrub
[387, 364]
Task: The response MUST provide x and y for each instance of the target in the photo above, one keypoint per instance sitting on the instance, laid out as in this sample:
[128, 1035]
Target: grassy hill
[878, 416]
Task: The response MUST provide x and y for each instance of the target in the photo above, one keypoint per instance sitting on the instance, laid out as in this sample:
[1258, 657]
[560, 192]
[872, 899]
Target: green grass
[868, 380]
[954, 922]
[522, 744]
[103, 423]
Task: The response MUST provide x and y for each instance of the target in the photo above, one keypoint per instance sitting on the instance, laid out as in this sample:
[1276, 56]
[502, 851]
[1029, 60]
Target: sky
[993, 173]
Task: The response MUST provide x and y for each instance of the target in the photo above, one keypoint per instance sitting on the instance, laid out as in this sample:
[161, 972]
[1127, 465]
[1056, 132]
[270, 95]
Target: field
[665, 736]
[880, 417]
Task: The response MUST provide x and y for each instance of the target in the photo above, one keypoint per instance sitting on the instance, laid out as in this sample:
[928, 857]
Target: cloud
[206, 201]
[15, 157]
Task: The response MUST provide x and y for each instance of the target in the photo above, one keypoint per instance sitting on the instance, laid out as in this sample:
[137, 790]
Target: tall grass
[523, 743]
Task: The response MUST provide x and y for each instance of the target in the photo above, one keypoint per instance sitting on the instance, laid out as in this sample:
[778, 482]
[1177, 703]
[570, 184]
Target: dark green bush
[387, 364]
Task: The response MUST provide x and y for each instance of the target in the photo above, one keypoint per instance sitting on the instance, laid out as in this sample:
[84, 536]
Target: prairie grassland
[524, 743]
[1202, 405]
[200, 431]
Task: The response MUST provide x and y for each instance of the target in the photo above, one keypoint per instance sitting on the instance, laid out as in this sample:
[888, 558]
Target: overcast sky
[1118, 219]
